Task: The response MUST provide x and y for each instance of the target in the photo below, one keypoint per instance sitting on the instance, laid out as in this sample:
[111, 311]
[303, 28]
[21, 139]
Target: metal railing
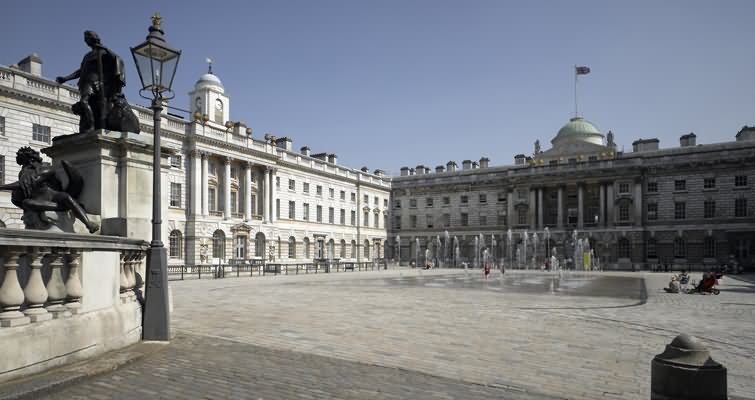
[254, 267]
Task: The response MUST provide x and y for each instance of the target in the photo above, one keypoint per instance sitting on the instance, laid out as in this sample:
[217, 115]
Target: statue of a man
[40, 188]
[101, 77]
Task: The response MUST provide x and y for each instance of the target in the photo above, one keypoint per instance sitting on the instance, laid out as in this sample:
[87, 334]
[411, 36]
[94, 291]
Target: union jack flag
[582, 70]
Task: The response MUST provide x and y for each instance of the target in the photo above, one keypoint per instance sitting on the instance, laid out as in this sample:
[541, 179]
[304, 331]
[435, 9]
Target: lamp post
[156, 62]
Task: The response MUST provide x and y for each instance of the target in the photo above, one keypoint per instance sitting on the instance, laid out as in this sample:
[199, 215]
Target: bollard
[686, 371]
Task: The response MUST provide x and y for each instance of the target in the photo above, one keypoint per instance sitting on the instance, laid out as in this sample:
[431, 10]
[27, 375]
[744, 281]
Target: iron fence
[239, 268]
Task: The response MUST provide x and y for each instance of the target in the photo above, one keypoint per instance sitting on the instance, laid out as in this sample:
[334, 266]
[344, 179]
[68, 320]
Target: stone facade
[226, 195]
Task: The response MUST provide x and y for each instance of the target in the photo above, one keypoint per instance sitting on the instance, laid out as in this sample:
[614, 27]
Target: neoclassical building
[228, 194]
[687, 205]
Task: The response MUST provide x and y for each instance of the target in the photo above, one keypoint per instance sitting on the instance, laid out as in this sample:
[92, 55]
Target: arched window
[623, 248]
[331, 249]
[306, 248]
[353, 249]
[259, 245]
[343, 249]
[175, 244]
[366, 249]
[218, 244]
[680, 248]
[291, 247]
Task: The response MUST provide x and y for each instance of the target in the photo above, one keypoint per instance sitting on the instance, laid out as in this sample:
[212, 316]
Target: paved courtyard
[411, 334]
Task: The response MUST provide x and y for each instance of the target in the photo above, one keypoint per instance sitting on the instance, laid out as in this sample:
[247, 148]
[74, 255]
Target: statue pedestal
[117, 172]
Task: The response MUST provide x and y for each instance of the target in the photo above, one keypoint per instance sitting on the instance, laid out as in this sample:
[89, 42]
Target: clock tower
[208, 97]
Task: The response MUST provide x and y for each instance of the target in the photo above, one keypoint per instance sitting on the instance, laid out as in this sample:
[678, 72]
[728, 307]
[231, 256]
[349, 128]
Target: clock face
[219, 105]
[198, 104]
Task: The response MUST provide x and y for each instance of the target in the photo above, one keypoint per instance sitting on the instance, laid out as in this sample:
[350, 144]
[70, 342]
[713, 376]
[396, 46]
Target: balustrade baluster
[56, 288]
[11, 294]
[35, 291]
[74, 291]
[123, 278]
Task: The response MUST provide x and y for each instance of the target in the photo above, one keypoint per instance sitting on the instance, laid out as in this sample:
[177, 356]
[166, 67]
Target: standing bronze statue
[102, 77]
[41, 188]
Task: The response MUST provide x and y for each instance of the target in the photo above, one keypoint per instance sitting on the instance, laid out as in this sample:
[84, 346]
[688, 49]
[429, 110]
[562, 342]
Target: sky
[393, 83]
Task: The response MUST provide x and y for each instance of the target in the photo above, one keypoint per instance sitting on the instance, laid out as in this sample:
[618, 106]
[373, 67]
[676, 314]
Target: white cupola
[208, 97]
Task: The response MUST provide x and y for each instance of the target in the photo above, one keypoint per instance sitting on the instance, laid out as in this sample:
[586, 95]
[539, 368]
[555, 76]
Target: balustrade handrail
[24, 237]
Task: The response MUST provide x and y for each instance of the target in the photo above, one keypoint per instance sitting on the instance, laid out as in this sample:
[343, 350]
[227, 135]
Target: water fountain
[416, 252]
[510, 240]
[427, 258]
[476, 251]
[437, 260]
[492, 248]
[446, 243]
[524, 247]
[398, 249]
[455, 256]
[535, 241]
[519, 256]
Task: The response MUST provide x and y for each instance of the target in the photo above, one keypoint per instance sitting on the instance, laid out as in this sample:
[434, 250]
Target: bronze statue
[102, 77]
[40, 188]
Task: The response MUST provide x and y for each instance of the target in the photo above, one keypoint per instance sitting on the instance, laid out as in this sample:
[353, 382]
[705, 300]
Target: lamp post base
[156, 323]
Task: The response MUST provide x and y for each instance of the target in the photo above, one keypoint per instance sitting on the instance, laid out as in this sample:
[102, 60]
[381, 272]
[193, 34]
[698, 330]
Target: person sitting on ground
[673, 286]
[683, 277]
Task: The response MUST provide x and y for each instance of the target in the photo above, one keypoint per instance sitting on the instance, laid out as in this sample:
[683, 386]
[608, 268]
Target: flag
[582, 70]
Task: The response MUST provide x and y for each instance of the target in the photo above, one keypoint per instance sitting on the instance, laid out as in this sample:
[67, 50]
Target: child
[487, 271]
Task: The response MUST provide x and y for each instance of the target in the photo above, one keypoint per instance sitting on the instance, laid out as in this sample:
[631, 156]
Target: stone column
[227, 188]
[638, 203]
[265, 196]
[580, 206]
[247, 191]
[560, 211]
[205, 188]
[272, 195]
[602, 215]
[531, 209]
[540, 208]
[195, 203]
[510, 208]
[609, 203]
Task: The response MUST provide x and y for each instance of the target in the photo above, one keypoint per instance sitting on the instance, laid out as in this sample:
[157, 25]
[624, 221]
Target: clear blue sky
[385, 84]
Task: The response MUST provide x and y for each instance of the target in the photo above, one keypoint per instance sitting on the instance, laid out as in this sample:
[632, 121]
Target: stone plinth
[686, 371]
[117, 171]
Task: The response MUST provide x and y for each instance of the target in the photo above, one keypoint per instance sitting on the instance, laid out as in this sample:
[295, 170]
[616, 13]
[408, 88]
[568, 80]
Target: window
[234, 203]
[305, 187]
[291, 210]
[353, 218]
[253, 204]
[366, 199]
[175, 161]
[483, 198]
[319, 190]
[464, 199]
[652, 249]
[212, 168]
[353, 249]
[680, 185]
[412, 203]
[397, 222]
[709, 209]
[2, 126]
[652, 211]
[2, 169]
[385, 203]
[306, 247]
[623, 248]
[502, 197]
[291, 184]
[277, 208]
[397, 203]
[343, 195]
[305, 212]
[680, 248]
[521, 194]
[592, 158]
[211, 199]
[623, 188]
[241, 247]
[680, 210]
[331, 193]
[218, 244]
[291, 247]
[175, 244]
[366, 219]
[740, 207]
[464, 219]
[175, 194]
[709, 247]
[343, 217]
[740, 180]
[446, 200]
[343, 249]
[446, 220]
[235, 174]
[40, 133]
[429, 202]
[652, 187]
[522, 217]
[502, 217]
[624, 212]
[366, 249]
[429, 221]
[259, 244]
[483, 220]
[376, 220]
[353, 197]
[709, 183]
[277, 182]
[319, 213]
[412, 221]
[331, 215]
[375, 201]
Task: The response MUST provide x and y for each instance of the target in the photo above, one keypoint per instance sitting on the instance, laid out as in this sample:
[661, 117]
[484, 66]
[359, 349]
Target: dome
[579, 129]
[209, 79]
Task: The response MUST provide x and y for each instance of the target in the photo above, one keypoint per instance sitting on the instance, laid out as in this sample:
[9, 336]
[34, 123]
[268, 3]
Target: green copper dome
[578, 128]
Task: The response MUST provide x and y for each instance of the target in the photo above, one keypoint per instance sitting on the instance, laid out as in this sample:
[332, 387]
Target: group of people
[706, 285]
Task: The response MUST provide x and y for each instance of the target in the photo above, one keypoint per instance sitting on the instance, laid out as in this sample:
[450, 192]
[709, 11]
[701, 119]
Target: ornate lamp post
[156, 62]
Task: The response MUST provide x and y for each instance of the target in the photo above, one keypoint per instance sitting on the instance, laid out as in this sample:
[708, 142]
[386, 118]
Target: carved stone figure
[102, 77]
[537, 146]
[41, 188]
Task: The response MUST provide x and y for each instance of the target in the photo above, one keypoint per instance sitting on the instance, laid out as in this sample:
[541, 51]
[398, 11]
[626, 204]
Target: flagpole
[576, 114]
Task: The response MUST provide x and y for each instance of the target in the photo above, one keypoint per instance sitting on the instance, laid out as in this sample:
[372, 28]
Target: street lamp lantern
[156, 62]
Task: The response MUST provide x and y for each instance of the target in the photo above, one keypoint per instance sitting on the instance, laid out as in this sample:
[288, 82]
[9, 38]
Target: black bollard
[686, 371]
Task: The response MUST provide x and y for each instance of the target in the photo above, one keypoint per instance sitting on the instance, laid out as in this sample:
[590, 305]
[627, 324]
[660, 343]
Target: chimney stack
[31, 64]
[451, 166]
[466, 164]
[305, 151]
[404, 171]
[484, 162]
[687, 140]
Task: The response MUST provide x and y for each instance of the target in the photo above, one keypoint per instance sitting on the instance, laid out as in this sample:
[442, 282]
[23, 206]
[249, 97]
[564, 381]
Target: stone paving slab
[576, 347]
